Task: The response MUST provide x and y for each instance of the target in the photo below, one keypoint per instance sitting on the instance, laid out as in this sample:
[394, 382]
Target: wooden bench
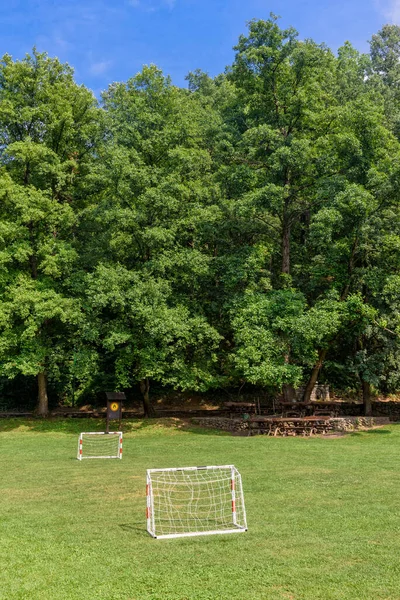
[235, 408]
[293, 409]
[330, 409]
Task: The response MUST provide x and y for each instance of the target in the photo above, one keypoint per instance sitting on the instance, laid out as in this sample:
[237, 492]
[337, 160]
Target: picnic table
[313, 408]
[305, 426]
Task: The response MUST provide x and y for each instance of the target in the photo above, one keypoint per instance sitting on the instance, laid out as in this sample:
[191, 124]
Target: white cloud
[53, 43]
[98, 68]
[60, 42]
[395, 11]
[152, 5]
[390, 9]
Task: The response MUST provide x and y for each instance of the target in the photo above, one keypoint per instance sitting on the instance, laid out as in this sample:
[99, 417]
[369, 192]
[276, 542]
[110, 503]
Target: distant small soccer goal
[193, 501]
[99, 444]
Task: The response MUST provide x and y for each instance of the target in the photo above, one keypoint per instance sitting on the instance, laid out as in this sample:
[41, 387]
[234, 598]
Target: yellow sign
[114, 406]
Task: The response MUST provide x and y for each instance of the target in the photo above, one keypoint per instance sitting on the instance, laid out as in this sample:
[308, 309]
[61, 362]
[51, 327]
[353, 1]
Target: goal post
[189, 501]
[99, 444]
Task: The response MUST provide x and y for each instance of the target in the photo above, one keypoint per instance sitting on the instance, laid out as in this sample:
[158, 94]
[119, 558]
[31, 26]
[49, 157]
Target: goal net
[194, 501]
[99, 444]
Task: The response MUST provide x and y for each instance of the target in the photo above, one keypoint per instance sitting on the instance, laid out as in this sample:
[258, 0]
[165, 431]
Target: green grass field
[323, 517]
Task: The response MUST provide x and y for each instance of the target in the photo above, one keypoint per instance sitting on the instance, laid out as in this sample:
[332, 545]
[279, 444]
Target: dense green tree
[287, 90]
[156, 194]
[385, 72]
[47, 128]
[315, 134]
[149, 334]
[348, 235]
[385, 53]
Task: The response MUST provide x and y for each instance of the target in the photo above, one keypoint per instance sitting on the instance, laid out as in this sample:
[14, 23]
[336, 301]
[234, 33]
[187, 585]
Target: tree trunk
[147, 406]
[286, 248]
[43, 402]
[366, 393]
[314, 374]
[289, 393]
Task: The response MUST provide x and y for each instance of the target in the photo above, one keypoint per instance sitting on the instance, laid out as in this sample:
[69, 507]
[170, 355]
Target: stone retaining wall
[379, 409]
[223, 423]
[354, 423]
[340, 424]
[387, 409]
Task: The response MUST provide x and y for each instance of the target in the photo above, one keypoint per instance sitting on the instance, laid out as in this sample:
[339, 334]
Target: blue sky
[109, 40]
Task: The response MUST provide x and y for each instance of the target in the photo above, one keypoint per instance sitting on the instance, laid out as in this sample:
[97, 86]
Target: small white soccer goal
[194, 501]
[99, 444]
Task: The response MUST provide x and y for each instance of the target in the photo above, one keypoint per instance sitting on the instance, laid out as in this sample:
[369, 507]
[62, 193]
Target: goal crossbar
[206, 467]
[191, 501]
[100, 444]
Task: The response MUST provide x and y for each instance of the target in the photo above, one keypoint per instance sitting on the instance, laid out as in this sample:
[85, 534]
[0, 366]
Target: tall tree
[315, 135]
[48, 126]
[287, 92]
[385, 72]
[157, 194]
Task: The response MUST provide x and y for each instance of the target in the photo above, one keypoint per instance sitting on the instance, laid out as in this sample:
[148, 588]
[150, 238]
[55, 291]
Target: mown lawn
[323, 517]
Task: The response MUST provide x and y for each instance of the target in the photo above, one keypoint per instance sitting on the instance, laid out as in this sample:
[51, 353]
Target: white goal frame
[81, 456]
[231, 497]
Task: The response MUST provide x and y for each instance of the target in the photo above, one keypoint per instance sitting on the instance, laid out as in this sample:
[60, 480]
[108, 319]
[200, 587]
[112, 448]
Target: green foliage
[147, 334]
[240, 230]
[262, 328]
[47, 128]
[276, 334]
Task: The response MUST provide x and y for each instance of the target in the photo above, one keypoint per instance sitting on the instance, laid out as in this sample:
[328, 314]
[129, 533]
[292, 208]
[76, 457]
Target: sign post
[114, 408]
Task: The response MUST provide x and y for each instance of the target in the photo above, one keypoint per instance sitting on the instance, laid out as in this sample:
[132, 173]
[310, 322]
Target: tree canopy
[245, 229]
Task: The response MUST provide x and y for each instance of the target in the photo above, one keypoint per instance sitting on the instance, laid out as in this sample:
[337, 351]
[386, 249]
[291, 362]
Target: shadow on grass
[76, 426]
[139, 425]
[51, 425]
[370, 432]
[137, 528]
[175, 424]
[378, 431]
